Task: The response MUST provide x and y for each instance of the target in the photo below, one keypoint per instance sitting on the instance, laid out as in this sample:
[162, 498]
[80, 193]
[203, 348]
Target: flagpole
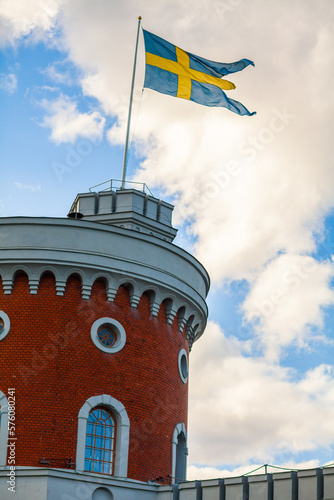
[125, 158]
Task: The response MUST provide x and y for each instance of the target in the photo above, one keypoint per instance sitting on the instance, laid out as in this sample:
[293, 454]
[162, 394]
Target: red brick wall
[50, 359]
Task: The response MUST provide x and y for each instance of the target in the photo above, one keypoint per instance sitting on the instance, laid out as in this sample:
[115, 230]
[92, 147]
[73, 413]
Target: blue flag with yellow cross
[175, 72]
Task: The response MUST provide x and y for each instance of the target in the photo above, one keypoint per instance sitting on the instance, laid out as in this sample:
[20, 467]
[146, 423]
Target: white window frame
[6, 325]
[117, 327]
[182, 354]
[179, 429]
[3, 430]
[122, 435]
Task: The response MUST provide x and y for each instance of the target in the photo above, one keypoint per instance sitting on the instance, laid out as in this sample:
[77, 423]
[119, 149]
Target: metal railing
[266, 467]
[117, 184]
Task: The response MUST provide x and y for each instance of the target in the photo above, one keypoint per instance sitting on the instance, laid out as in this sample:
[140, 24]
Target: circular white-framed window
[4, 325]
[108, 335]
[183, 365]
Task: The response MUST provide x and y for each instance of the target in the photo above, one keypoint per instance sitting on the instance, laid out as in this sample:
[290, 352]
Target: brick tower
[98, 313]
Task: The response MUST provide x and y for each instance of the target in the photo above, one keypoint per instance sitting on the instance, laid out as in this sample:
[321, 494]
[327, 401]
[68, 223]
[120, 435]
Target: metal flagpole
[125, 159]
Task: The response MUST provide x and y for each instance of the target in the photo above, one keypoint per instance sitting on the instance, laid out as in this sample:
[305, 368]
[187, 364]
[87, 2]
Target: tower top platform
[128, 208]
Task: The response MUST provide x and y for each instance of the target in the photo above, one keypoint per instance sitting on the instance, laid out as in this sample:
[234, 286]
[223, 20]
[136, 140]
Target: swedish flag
[172, 71]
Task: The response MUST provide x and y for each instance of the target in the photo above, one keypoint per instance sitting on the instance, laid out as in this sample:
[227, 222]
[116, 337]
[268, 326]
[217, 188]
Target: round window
[4, 325]
[108, 335]
[183, 365]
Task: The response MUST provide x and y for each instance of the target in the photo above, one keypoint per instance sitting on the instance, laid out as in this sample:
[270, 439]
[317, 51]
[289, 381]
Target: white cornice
[120, 256]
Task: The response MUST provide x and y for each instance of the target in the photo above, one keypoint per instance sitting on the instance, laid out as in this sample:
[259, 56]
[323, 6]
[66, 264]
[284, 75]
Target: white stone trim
[3, 430]
[6, 324]
[121, 335]
[183, 353]
[179, 429]
[122, 437]
[88, 249]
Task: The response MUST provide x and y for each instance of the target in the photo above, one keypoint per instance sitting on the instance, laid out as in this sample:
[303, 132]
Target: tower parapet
[128, 208]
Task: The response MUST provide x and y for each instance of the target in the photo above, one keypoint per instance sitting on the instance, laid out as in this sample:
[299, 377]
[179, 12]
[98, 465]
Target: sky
[253, 195]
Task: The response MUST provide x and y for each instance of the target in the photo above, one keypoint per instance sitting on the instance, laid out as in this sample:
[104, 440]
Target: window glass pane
[89, 452]
[107, 444]
[88, 465]
[97, 466]
[109, 431]
[104, 415]
[99, 441]
[106, 468]
[89, 440]
[99, 430]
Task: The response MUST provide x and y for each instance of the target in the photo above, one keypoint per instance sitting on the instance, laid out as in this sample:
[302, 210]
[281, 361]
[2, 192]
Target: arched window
[179, 453]
[100, 442]
[3, 429]
[181, 458]
[99, 419]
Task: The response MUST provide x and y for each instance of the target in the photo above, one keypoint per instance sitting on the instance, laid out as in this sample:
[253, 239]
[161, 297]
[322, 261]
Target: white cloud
[59, 73]
[27, 187]
[21, 18]
[195, 472]
[287, 299]
[67, 123]
[245, 409]
[8, 82]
